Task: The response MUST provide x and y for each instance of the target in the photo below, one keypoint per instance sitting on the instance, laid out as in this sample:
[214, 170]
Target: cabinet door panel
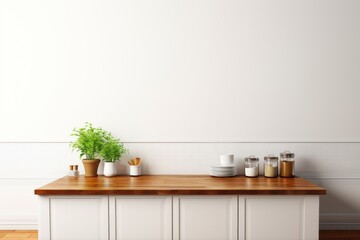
[142, 217]
[81, 218]
[205, 218]
[279, 218]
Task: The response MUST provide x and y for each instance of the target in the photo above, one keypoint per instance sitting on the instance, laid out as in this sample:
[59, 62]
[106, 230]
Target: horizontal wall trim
[335, 178]
[338, 221]
[331, 216]
[18, 226]
[339, 226]
[36, 178]
[19, 223]
[200, 141]
[26, 223]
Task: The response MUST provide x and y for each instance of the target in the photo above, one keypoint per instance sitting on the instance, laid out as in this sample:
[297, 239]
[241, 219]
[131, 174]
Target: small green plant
[112, 150]
[90, 141]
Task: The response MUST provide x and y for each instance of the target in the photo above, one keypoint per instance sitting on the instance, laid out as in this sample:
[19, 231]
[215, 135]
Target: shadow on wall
[307, 167]
[336, 207]
[335, 202]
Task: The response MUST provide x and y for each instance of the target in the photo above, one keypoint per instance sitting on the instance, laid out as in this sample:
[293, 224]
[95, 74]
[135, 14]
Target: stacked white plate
[223, 171]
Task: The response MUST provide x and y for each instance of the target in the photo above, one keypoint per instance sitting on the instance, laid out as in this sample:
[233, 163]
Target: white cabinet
[74, 217]
[141, 217]
[205, 217]
[278, 217]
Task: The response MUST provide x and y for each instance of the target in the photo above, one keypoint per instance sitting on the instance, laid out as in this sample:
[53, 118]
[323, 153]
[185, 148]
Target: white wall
[181, 70]
[181, 82]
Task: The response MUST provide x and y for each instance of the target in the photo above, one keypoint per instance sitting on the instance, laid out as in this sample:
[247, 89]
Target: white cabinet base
[217, 217]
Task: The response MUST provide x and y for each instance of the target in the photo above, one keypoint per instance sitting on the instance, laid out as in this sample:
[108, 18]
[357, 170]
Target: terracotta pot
[91, 166]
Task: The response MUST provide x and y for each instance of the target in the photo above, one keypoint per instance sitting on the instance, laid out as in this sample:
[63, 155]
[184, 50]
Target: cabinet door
[140, 217]
[205, 217]
[279, 218]
[78, 217]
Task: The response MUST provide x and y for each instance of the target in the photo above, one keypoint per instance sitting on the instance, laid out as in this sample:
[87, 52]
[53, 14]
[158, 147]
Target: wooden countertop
[179, 185]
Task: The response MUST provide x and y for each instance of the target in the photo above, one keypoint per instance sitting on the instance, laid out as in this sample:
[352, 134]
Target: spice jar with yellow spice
[270, 166]
[287, 164]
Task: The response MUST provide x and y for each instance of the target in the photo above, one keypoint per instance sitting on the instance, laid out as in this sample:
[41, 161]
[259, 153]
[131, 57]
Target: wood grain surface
[179, 184]
[18, 235]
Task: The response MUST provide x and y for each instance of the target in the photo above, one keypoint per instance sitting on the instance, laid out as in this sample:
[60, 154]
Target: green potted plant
[89, 143]
[111, 152]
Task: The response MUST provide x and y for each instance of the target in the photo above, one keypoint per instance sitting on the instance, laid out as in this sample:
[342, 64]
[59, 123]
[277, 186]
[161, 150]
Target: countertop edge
[179, 192]
[183, 185]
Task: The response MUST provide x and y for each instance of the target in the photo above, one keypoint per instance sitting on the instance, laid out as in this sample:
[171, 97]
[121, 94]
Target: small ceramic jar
[135, 170]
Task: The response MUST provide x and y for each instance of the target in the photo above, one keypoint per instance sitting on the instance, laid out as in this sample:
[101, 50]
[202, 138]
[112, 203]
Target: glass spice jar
[287, 164]
[251, 166]
[270, 166]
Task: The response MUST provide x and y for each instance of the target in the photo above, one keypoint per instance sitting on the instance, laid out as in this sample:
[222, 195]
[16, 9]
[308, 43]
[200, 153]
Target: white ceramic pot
[100, 170]
[135, 170]
[110, 169]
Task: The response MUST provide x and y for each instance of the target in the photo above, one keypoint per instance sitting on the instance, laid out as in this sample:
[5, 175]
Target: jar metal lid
[287, 154]
[251, 158]
[271, 157]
